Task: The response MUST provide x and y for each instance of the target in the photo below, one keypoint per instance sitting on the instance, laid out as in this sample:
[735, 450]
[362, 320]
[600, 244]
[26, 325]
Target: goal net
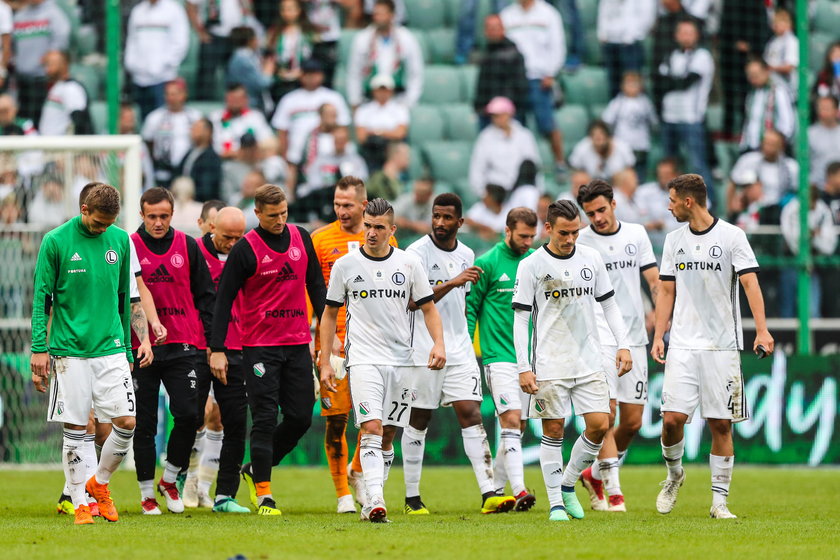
[40, 182]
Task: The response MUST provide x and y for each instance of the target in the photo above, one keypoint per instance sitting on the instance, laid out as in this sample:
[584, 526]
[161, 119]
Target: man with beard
[449, 265]
[489, 305]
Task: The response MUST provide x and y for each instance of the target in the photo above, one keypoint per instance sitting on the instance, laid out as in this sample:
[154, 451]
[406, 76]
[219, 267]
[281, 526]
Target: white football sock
[195, 454]
[208, 466]
[170, 472]
[673, 459]
[114, 451]
[499, 473]
[387, 461]
[89, 455]
[609, 472]
[584, 453]
[413, 447]
[373, 466]
[596, 470]
[551, 463]
[511, 442]
[147, 489]
[74, 465]
[721, 477]
[477, 449]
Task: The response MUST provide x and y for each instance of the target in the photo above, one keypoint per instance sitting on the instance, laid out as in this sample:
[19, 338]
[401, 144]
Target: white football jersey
[562, 293]
[376, 292]
[705, 266]
[626, 253]
[441, 266]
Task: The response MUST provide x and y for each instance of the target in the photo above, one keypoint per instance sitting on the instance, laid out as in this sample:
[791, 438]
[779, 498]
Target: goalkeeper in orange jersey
[332, 242]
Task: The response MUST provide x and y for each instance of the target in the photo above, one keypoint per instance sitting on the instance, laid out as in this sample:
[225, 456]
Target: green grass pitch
[783, 513]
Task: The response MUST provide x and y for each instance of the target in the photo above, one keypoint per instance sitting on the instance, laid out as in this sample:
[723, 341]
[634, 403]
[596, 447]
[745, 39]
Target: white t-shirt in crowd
[228, 130]
[783, 50]
[584, 157]
[389, 116]
[63, 99]
[297, 113]
[631, 119]
[169, 133]
[688, 106]
[777, 177]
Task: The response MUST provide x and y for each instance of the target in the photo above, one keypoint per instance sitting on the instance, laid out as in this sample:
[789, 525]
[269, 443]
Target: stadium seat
[463, 189]
[207, 107]
[461, 122]
[87, 39]
[594, 56]
[441, 45]
[426, 125]
[714, 118]
[818, 44]
[453, 10]
[546, 156]
[441, 85]
[345, 42]
[573, 121]
[485, 8]
[189, 66]
[587, 86]
[99, 116]
[425, 14]
[596, 110]
[448, 161]
[89, 77]
[416, 165]
[589, 15]
[340, 80]
[827, 17]
[469, 80]
[424, 45]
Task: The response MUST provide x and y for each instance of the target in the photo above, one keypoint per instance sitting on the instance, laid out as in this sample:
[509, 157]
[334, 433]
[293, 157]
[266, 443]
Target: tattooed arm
[140, 326]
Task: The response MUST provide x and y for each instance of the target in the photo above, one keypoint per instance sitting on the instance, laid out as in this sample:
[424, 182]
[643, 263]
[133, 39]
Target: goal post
[40, 181]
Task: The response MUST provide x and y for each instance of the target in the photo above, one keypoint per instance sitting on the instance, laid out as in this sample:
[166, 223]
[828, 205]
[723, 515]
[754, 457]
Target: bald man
[229, 391]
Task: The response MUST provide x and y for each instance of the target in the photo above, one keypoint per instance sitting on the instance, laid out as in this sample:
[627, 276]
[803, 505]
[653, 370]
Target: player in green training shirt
[489, 304]
[84, 269]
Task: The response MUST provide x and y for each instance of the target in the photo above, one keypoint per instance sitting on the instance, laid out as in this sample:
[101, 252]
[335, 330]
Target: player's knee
[298, 424]
[672, 422]
[125, 423]
[722, 428]
[631, 425]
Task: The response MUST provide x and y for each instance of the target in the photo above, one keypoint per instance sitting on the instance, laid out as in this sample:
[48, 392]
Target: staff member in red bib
[272, 271]
[176, 274]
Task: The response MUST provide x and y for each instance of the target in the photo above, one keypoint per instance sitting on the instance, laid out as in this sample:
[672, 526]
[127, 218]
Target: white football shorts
[458, 382]
[79, 384]
[709, 378]
[632, 387]
[503, 380]
[381, 393]
[555, 397]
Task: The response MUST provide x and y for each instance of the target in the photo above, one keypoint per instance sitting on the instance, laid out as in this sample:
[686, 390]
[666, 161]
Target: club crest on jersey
[715, 251]
[398, 278]
[60, 407]
[177, 260]
[352, 245]
[259, 369]
[630, 249]
[295, 254]
[586, 273]
[504, 399]
[539, 405]
[326, 403]
[111, 256]
[364, 408]
[378, 275]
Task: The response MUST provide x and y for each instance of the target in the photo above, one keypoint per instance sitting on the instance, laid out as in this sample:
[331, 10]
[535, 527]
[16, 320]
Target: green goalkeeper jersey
[489, 303]
[86, 276]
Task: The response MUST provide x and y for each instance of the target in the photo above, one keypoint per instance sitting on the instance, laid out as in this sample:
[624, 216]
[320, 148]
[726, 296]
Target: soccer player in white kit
[701, 265]
[628, 255]
[449, 266]
[558, 287]
[376, 282]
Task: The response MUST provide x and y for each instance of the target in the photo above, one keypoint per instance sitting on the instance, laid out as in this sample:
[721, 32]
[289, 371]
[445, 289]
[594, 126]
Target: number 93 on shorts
[381, 393]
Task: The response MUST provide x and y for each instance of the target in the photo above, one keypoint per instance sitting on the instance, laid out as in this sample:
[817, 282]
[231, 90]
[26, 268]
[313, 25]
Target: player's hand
[763, 338]
[469, 275]
[328, 376]
[219, 366]
[623, 361]
[437, 357]
[528, 382]
[39, 363]
[658, 350]
[160, 333]
[145, 354]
